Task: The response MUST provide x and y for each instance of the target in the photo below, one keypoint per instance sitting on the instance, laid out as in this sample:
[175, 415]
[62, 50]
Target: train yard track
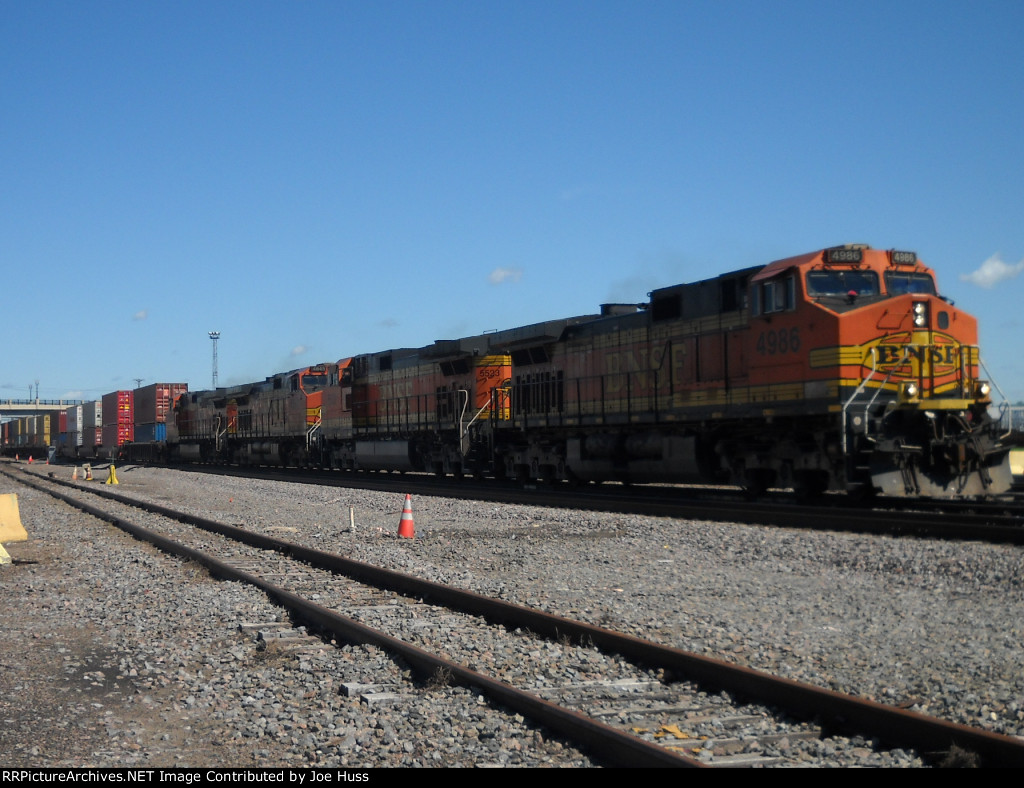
[643, 688]
[995, 521]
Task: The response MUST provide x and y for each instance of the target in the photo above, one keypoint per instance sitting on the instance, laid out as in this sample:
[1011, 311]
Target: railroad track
[997, 521]
[629, 701]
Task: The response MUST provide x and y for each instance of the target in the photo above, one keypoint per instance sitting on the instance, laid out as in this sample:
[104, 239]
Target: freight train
[841, 369]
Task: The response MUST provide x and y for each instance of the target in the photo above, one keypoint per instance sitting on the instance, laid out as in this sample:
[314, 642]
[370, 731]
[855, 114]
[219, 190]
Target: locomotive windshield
[841, 283]
[307, 381]
[898, 283]
[311, 382]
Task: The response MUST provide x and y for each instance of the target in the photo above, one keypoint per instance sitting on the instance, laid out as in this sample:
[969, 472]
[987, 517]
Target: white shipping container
[73, 417]
[92, 414]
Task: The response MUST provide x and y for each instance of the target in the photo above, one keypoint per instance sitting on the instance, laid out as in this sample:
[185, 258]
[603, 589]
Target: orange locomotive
[437, 409]
[271, 422]
[840, 369]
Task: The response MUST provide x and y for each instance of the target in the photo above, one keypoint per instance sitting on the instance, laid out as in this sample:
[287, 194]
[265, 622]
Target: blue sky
[320, 179]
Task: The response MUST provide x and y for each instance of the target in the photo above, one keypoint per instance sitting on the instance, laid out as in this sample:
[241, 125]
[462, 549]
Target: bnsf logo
[899, 354]
[943, 356]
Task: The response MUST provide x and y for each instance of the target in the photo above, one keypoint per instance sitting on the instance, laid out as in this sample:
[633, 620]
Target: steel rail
[995, 528]
[897, 726]
[603, 741]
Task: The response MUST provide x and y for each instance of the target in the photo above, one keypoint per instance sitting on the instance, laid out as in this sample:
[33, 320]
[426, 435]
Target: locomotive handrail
[311, 431]
[501, 402]
[218, 433]
[856, 393]
[462, 415]
[472, 420]
[1004, 406]
[881, 388]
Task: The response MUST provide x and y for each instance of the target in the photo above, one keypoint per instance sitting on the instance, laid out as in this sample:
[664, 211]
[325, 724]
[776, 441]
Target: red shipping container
[117, 409]
[117, 435]
[153, 402]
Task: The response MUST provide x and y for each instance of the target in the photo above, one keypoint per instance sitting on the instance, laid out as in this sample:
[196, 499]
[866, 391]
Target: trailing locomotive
[841, 369]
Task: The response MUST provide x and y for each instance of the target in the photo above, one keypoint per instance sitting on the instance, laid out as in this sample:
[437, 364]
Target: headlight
[909, 390]
[984, 389]
[920, 314]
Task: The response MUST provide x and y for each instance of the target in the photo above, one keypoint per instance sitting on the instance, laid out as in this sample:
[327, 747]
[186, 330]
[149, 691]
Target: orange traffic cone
[30, 459]
[406, 526]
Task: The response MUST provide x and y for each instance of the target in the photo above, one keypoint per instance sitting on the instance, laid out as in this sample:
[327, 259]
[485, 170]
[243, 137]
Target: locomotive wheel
[756, 482]
[810, 484]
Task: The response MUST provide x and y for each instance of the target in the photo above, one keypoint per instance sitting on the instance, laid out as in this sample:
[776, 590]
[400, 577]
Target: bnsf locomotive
[841, 369]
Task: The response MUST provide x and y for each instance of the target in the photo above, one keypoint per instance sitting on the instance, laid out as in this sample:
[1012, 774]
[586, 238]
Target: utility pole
[138, 382]
[215, 335]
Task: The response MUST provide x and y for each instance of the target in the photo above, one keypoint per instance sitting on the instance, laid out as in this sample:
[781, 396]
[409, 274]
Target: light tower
[215, 335]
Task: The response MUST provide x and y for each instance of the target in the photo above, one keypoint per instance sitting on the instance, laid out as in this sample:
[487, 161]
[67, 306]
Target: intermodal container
[151, 433]
[153, 402]
[115, 435]
[91, 438]
[117, 408]
[47, 427]
[92, 414]
[118, 419]
[73, 420]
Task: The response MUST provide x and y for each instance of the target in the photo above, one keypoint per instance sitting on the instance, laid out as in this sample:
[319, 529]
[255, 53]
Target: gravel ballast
[111, 659]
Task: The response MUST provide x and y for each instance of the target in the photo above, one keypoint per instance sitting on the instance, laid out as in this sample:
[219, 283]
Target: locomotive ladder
[1005, 410]
[860, 390]
[218, 434]
[464, 430]
[314, 428]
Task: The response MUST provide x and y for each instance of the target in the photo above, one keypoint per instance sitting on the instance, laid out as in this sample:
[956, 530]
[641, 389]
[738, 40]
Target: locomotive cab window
[821, 284]
[899, 283]
[778, 295]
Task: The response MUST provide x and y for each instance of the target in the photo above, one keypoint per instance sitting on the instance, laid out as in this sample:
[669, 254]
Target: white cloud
[500, 275]
[993, 271]
[298, 350]
[142, 314]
